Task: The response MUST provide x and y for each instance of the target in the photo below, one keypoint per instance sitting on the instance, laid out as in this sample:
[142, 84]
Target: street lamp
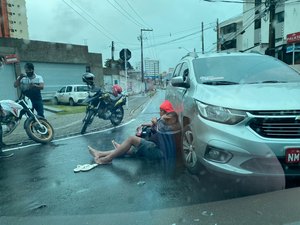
[142, 58]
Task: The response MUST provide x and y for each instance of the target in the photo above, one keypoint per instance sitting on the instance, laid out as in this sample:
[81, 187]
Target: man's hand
[154, 121]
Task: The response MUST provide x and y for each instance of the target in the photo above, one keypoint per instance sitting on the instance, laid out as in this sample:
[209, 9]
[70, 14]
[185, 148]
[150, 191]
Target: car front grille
[283, 124]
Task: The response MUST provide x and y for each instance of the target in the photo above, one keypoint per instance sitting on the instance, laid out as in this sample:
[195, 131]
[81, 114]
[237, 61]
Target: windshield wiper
[220, 82]
[267, 81]
[273, 81]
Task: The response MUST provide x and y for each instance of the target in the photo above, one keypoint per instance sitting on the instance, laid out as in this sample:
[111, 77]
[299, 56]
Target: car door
[67, 94]
[60, 94]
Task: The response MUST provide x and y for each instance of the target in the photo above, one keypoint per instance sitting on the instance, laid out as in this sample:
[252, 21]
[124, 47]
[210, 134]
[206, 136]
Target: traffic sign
[125, 54]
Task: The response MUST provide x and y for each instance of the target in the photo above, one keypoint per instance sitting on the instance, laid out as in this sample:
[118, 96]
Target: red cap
[167, 106]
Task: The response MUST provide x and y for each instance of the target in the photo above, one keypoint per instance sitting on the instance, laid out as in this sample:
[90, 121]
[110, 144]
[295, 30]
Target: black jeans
[38, 106]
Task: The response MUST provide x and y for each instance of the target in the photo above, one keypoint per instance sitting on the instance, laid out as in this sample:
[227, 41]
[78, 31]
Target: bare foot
[115, 144]
[94, 152]
[103, 160]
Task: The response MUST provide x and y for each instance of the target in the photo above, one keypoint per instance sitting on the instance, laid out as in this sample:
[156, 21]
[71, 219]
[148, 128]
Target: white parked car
[71, 94]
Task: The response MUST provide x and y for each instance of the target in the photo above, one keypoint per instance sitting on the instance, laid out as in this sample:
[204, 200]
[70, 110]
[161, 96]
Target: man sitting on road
[156, 147]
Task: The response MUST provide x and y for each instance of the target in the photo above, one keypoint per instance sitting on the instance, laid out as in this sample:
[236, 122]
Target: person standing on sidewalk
[31, 85]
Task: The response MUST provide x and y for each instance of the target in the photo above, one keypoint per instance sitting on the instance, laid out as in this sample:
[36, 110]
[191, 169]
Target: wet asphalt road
[39, 180]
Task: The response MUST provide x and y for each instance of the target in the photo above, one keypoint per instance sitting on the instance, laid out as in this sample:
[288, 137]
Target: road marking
[68, 138]
[147, 105]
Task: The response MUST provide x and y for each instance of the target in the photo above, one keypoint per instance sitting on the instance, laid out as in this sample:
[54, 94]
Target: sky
[175, 25]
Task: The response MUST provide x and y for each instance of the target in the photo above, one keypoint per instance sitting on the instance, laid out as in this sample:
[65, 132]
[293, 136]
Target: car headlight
[221, 114]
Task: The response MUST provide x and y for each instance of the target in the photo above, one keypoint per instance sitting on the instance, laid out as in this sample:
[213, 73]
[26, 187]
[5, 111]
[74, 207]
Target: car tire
[190, 158]
[71, 102]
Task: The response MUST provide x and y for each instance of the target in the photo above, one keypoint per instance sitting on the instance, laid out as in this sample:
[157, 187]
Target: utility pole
[142, 57]
[271, 50]
[112, 50]
[218, 36]
[202, 37]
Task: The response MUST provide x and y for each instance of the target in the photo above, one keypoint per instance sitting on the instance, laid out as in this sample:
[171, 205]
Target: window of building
[257, 2]
[229, 28]
[279, 17]
[257, 24]
[228, 44]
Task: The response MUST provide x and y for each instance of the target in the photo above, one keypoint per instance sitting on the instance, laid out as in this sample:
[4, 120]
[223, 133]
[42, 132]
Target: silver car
[240, 113]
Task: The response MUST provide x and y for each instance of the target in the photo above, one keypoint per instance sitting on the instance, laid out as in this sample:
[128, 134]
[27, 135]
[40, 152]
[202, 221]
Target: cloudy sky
[176, 25]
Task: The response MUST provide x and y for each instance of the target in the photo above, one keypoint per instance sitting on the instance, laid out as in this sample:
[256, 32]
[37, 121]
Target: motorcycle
[36, 127]
[102, 105]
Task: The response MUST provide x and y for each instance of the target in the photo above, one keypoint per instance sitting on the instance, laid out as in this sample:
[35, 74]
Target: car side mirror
[179, 82]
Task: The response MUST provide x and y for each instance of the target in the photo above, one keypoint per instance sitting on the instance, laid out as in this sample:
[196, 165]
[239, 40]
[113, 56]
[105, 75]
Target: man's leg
[99, 154]
[39, 107]
[120, 150]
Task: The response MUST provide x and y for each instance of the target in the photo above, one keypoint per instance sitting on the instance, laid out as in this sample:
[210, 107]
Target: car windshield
[242, 70]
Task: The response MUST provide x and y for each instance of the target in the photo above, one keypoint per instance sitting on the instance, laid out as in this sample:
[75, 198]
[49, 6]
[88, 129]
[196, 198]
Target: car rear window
[82, 88]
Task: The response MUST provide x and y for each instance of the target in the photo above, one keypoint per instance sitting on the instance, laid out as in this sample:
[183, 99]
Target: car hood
[279, 96]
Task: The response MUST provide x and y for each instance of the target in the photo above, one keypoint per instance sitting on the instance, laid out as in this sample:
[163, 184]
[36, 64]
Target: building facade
[250, 32]
[59, 64]
[151, 68]
[13, 21]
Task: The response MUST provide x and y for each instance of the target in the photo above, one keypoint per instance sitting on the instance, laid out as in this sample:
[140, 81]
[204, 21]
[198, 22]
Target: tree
[117, 64]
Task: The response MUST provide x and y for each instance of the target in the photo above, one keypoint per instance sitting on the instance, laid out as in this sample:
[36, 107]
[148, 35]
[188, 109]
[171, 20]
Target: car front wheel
[190, 157]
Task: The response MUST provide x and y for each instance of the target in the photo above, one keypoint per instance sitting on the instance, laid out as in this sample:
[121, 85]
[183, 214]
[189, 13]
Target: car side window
[184, 72]
[177, 70]
[62, 90]
[69, 89]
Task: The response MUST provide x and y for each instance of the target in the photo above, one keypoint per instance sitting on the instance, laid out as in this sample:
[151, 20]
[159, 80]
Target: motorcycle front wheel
[117, 116]
[41, 132]
[88, 119]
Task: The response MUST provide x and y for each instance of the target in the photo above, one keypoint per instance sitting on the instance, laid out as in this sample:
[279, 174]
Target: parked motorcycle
[36, 127]
[102, 105]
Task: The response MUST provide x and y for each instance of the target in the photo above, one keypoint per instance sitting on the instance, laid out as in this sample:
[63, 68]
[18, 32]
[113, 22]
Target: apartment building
[151, 68]
[250, 31]
[13, 22]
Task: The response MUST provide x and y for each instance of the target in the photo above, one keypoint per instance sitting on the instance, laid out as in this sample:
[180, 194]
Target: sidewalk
[70, 124]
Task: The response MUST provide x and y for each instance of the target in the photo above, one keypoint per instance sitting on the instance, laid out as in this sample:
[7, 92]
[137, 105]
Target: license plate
[292, 155]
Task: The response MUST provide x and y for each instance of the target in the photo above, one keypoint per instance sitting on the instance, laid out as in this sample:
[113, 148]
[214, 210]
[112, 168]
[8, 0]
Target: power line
[135, 12]
[126, 14]
[95, 21]
[86, 19]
